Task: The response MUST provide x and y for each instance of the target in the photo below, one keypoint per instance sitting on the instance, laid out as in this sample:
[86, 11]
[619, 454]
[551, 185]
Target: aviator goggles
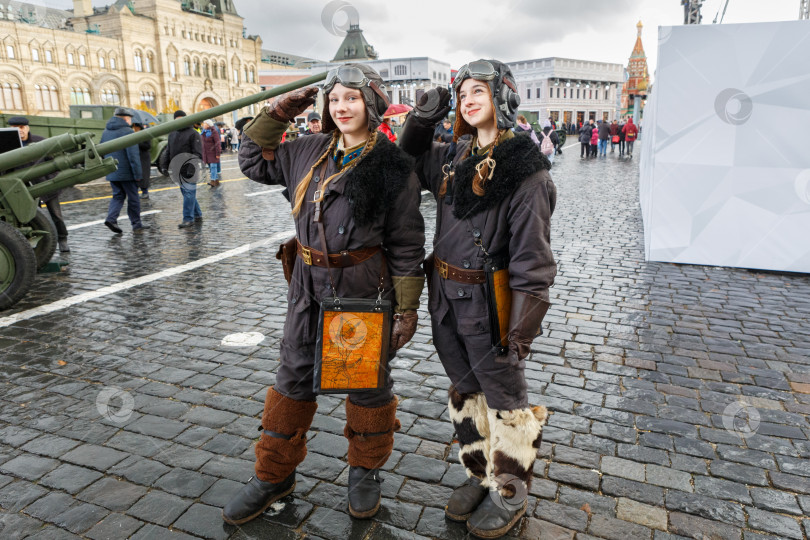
[351, 77]
[480, 70]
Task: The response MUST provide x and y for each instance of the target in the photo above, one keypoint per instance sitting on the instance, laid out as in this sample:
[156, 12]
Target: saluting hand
[290, 105]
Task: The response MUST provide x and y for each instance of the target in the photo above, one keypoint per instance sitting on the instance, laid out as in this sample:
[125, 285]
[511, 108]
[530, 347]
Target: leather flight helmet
[360, 77]
[502, 87]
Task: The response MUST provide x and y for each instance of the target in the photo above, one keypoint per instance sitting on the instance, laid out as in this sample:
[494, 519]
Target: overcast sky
[459, 31]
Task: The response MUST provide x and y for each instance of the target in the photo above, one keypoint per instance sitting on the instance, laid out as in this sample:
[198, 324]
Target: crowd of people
[594, 137]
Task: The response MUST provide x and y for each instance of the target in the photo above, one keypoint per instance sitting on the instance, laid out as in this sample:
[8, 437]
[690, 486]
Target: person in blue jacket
[124, 180]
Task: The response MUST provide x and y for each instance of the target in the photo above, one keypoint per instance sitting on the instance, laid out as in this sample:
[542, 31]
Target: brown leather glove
[524, 324]
[288, 106]
[404, 328]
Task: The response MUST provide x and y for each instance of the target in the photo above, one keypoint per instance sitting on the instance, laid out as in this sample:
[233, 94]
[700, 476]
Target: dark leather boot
[465, 499]
[254, 498]
[63, 245]
[495, 516]
[365, 493]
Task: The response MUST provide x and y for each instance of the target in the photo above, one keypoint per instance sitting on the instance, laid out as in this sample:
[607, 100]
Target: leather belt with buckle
[459, 275]
[313, 257]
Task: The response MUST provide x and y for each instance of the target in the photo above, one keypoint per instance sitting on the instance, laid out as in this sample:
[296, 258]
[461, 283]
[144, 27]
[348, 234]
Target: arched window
[10, 52]
[196, 67]
[186, 67]
[205, 68]
[11, 96]
[109, 95]
[70, 59]
[112, 63]
[101, 62]
[222, 73]
[138, 61]
[150, 61]
[80, 96]
[49, 56]
[252, 77]
[47, 97]
[214, 70]
[34, 54]
[148, 99]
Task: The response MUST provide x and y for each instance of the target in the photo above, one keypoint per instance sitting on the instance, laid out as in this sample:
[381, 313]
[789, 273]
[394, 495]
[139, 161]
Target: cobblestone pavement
[680, 394]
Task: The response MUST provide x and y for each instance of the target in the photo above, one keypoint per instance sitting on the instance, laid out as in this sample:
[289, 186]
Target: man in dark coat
[211, 151]
[124, 179]
[51, 200]
[185, 170]
[585, 140]
[144, 149]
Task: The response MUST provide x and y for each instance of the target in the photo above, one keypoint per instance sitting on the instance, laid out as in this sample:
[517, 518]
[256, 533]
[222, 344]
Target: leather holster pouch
[286, 254]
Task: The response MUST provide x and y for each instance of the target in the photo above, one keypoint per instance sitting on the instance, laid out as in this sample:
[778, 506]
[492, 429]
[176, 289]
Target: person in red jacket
[630, 131]
[385, 127]
[614, 135]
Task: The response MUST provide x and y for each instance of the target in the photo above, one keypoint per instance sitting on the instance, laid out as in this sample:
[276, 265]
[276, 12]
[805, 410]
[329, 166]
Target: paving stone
[790, 482]
[141, 471]
[80, 518]
[135, 443]
[17, 526]
[671, 478]
[323, 467]
[616, 529]
[50, 445]
[738, 473]
[623, 468]
[113, 527]
[643, 514]
[115, 495]
[401, 515]
[575, 456]
[50, 506]
[433, 524]
[228, 445]
[587, 479]
[697, 527]
[782, 526]
[637, 491]
[185, 483]
[537, 528]
[221, 492]
[707, 507]
[28, 466]
[328, 444]
[722, 489]
[421, 468]
[17, 495]
[205, 521]
[577, 498]
[156, 426]
[94, 457]
[775, 501]
[160, 508]
[335, 525]
[560, 514]
[424, 493]
[288, 511]
[155, 532]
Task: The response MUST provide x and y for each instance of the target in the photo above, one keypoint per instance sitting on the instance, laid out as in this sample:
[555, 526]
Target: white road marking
[274, 190]
[130, 283]
[242, 339]
[101, 221]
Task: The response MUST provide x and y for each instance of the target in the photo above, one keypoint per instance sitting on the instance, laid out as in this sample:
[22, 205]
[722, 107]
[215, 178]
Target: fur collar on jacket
[374, 184]
[516, 159]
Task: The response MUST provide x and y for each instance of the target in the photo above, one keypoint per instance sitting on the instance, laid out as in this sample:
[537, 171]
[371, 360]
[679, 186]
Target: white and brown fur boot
[468, 412]
[515, 437]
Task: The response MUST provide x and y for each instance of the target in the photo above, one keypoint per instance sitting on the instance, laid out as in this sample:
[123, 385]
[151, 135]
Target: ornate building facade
[568, 90]
[154, 54]
[638, 77]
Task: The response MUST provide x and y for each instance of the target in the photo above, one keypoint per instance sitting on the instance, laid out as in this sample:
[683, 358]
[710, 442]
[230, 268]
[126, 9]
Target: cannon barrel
[67, 161]
[65, 142]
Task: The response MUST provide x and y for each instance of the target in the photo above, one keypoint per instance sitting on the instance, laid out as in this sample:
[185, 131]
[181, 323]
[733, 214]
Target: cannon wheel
[46, 245]
[164, 172]
[18, 265]
[561, 135]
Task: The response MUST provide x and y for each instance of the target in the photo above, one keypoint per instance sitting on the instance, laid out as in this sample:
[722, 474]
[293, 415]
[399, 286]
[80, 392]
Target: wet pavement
[680, 394]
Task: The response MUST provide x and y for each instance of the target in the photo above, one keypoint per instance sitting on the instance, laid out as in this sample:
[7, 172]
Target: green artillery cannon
[27, 236]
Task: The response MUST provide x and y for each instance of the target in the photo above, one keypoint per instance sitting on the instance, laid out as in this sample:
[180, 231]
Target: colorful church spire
[638, 77]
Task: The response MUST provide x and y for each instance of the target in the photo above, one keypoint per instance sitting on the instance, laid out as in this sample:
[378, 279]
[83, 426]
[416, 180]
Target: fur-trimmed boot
[371, 439]
[515, 437]
[280, 449]
[468, 413]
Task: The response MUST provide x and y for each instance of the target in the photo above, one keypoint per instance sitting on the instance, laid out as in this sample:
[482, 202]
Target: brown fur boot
[371, 439]
[283, 442]
[515, 437]
[468, 412]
